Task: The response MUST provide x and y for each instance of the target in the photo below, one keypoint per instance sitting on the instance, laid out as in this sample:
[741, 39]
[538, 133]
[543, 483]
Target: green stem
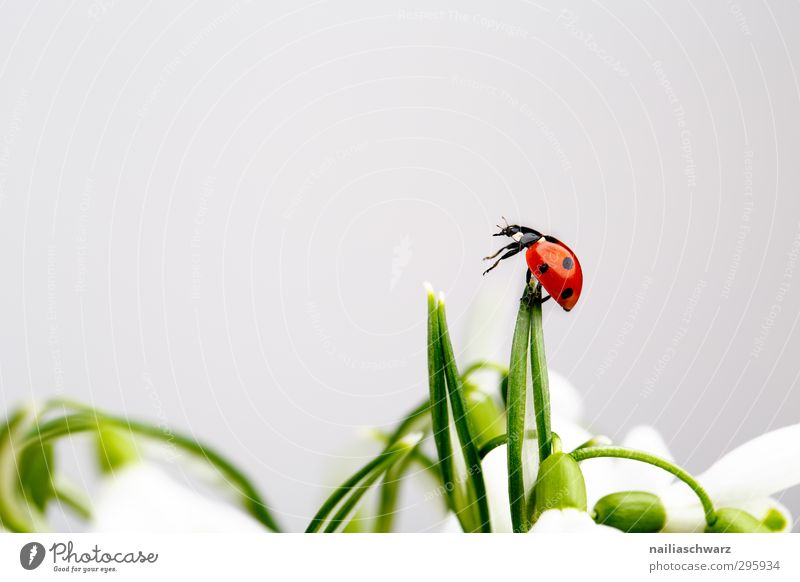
[374, 467]
[499, 441]
[515, 414]
[484, 365]
[347, 495]
[389, 492]
[641, 456]
[539, 377]
[90, 420]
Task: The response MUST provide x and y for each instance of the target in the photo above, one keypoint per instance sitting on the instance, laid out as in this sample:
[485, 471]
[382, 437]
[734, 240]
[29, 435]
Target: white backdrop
[219, 217]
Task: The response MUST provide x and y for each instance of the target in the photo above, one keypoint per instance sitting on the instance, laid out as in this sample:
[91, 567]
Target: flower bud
[486, 420]
[775, 521]
[631, 511]
[730, 520]
[559, 485]
[115, 448]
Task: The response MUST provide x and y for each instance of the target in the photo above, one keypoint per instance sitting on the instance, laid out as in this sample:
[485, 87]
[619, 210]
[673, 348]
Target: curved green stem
[641, 456]
[499, 441]
[484, 365]
[90, 419]
[420, 413]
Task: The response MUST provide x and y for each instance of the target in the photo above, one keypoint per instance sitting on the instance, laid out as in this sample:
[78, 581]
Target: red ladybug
[549, 260]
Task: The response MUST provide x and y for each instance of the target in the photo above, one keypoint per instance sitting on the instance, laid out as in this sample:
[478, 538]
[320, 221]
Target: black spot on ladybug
[543, 267]
[567, 293]
[567, 263]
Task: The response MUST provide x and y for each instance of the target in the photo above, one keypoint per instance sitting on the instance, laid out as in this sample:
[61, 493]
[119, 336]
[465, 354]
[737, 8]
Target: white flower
[569, 521]
[141, 497]
[745, 478]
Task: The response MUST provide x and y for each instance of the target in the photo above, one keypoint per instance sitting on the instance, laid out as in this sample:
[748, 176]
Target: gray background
[219, 217]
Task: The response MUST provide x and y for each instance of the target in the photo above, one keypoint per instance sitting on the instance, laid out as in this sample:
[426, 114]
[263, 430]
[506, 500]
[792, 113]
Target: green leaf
[476, 489]
[515, 416]
[16, 513]
[418, 419]
[389, 492]
[438, 400]
[36, 467]
[345, 498]
[540, 378]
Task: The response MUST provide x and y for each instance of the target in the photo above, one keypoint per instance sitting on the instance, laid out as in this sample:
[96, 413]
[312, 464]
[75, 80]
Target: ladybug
[549, 260]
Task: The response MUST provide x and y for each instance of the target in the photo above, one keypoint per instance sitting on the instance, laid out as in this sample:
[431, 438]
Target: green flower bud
[559, 485]
[631, 511]
[730, 520]
[115, 448]
[774, 520]
[486, 420]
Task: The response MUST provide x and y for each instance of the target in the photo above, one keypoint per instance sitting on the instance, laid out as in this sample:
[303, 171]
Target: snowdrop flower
[744, 479]
[141, 497]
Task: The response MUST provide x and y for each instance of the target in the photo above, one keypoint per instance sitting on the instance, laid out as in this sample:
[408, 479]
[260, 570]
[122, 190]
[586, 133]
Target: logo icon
[31, 555]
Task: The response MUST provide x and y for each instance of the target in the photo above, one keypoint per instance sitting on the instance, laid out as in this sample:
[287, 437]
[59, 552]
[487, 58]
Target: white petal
[759, 468]
[143, 498]
[495, 476]
[569, 521]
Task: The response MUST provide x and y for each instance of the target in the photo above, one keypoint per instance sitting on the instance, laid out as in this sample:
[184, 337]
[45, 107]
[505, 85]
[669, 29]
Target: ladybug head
[513, 230]
[508, 229]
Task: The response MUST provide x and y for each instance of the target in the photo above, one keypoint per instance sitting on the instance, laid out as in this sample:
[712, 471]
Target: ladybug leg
[505, 248]
[516, 248]
[533, 294]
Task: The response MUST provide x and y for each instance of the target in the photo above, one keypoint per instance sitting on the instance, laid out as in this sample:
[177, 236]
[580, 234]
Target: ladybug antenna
[503, 229]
